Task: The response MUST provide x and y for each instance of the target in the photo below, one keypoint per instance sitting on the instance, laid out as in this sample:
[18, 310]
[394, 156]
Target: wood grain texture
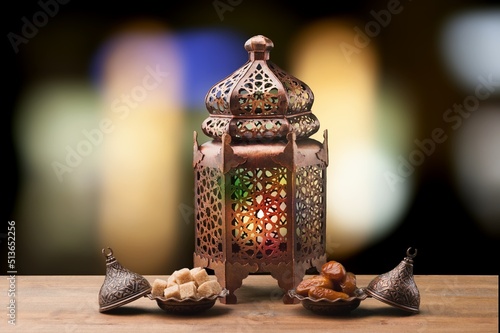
[70, 304]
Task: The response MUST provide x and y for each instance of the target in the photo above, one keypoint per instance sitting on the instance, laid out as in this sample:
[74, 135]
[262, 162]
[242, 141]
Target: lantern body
[260, 184]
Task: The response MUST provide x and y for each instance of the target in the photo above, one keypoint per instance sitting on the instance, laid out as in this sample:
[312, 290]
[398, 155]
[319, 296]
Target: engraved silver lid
[397, 287]
[120, 286]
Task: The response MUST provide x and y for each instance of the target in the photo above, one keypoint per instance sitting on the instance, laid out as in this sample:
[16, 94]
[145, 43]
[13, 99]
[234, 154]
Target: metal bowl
[325, 306]
[187, 306]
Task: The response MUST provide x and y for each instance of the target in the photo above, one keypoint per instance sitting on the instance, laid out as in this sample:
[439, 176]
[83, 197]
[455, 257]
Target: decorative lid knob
[258, 47]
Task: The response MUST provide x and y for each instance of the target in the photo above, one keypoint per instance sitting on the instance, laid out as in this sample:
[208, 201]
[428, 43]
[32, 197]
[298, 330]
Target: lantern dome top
[259, 100]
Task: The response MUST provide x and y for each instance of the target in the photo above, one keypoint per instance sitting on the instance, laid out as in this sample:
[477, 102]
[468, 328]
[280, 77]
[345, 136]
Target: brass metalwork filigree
[260, 184]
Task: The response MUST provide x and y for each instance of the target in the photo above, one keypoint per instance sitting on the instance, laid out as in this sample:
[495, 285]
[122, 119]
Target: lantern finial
[258, 47]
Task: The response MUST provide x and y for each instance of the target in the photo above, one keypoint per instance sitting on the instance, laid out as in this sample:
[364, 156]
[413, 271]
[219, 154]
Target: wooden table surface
[449, 303]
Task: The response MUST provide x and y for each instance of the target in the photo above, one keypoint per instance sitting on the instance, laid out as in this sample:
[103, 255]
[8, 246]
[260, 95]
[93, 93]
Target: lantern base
[231, 274]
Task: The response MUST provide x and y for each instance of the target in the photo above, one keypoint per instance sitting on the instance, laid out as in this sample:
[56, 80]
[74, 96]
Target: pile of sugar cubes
[187, 283]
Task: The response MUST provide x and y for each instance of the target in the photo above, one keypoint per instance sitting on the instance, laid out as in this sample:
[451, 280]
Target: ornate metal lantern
[260, 183]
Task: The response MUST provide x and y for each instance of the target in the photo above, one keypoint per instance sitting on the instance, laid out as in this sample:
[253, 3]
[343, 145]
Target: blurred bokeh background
[101, 100]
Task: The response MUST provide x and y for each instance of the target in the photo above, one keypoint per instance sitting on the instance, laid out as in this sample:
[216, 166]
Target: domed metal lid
[120, 285]
[259, 101]
[397, 287]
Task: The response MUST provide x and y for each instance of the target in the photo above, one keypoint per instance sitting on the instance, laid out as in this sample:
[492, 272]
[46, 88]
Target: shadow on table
[382, 311]
[135, 310]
